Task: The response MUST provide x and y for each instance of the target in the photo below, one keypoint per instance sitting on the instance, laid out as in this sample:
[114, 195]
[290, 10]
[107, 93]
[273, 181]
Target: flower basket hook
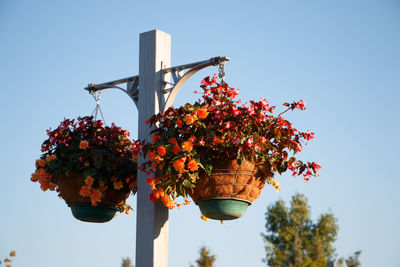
[97, 109]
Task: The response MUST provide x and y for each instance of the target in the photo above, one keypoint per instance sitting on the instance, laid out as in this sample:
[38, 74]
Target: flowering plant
[102, 157]
[189, 139]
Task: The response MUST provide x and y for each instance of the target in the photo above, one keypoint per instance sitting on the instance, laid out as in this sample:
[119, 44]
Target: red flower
[249, 142]
[301, 104]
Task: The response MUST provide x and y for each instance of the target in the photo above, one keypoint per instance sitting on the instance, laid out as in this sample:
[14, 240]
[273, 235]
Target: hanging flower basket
[226, 193]
[92, 167]
[221, 152]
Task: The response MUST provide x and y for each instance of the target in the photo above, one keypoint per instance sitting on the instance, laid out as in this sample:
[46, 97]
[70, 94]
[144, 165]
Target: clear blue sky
[342, 57]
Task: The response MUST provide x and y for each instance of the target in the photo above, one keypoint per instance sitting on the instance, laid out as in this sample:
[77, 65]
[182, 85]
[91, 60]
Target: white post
[332, 264]
[152, 218]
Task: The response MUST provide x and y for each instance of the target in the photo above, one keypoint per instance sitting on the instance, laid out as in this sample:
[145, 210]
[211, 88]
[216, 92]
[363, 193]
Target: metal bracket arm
[179, 78]
[132, 87]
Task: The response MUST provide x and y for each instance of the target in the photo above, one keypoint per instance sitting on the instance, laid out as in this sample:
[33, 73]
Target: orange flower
[176, 149]
[192, 165]
[161, 166]
[202, 113]
[168, 202]
[173, 140]
[42, 163]
[161, 151]
[42, 174]
[12, 253]
[152, 197]
[275, 184]
[158, 159]
[150, 181]
[50, 158]
[44, 184]
[156, 194]
[7, 260]
[217, 140]
[161, 191]
[151, 155]
[153, 167]
[89, 181]
[35, 177]
[179, 164]
[187, 146]
[95, 197]
[179, 123]
[52, 186]
[165, 200]
[83, 145]
[204, 218]
[118, 185]
[156, 137]
[85, 191]
[190, 119]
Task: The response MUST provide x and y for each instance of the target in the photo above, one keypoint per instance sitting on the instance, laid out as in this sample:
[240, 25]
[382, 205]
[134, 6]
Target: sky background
[341, 57]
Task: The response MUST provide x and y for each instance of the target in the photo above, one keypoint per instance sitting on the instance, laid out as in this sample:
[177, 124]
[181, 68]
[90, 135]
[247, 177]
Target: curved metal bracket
[132, 83]
[179, 79]
[132, 87]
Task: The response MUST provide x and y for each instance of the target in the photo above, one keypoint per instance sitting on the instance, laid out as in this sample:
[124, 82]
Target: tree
[206, 259]
[353, 261]
[126, 262]
[292, 239]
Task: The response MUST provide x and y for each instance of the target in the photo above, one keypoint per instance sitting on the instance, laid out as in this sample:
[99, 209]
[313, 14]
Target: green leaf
[187, 184]
[89, 172]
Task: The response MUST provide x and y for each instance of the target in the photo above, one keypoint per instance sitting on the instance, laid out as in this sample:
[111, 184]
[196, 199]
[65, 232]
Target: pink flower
[228, 125]
[264, 104]
[308, 135]
[201, 142]
[257, 147]
[235, 111]
[315, 167]
[249, 142]
[250, 110]
[299, 147]
[301, 104]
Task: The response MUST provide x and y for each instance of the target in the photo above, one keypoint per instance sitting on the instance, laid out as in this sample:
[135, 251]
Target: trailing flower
[103, 157]
[188, 139]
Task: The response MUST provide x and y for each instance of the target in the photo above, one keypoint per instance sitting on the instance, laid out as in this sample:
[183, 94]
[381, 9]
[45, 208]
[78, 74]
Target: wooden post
[152, 218]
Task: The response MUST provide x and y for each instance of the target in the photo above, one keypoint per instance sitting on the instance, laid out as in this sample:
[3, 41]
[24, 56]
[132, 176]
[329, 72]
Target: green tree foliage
[205, 259]
[126, 262]
[292, 239]
[353, 261]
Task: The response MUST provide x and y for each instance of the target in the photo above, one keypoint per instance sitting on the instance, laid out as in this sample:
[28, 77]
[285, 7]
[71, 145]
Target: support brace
[179, 77]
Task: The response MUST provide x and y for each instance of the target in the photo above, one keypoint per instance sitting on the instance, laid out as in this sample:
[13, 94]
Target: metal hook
[97, 108]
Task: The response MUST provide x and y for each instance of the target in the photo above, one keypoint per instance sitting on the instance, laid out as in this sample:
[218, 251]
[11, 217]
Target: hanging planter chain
[97, 109]
[221, 71]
